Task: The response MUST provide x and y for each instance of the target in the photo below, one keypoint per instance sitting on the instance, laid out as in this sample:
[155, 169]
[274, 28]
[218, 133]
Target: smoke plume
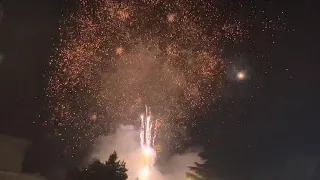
[125, 141]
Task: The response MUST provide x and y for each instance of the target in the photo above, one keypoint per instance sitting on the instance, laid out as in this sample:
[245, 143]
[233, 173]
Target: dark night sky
[280, 124]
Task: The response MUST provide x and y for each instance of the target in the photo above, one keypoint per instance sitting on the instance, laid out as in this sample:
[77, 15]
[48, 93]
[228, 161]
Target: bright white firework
[147, 135]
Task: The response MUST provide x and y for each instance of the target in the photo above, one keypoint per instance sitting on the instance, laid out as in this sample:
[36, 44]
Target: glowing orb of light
[147, 151]
[241, 75]
[144, 173]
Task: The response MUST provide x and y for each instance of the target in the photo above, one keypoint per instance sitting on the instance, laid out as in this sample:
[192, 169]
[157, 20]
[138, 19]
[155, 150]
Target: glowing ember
[119, 50]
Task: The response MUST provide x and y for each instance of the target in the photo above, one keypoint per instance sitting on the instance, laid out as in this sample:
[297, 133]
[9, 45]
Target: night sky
[273, 135]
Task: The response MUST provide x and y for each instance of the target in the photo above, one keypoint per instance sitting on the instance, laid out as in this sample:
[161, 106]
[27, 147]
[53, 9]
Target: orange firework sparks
[169, 58]
[119, 50]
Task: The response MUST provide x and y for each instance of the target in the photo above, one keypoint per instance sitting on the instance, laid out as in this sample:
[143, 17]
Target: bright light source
[147, 151]
[241, 75]
[144, 173]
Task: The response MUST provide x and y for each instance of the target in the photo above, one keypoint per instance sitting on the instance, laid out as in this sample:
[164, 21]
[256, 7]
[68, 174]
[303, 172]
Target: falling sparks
[171, 57]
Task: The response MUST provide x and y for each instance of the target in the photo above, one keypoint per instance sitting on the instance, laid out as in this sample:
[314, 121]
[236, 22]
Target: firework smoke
[115, 56]
[126, 142]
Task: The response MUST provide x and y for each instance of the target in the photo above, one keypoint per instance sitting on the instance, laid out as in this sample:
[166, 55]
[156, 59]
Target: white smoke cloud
[126, 143]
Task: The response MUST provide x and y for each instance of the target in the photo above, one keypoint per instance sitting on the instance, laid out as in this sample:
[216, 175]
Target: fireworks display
[114, 57]
[147, 140]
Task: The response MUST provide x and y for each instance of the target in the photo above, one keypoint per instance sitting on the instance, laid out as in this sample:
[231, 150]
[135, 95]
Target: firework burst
[114, 57]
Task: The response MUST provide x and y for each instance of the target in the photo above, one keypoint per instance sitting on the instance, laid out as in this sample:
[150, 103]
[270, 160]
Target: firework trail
[147, 137]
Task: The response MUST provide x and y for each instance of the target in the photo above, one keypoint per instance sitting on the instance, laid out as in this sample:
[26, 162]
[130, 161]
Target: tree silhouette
[112, 169]
[199, 172]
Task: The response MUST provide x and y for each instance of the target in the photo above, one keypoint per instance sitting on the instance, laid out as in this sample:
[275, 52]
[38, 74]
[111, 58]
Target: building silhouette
[12, 153]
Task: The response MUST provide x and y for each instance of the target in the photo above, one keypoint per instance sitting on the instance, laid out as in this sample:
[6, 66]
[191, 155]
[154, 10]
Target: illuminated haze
[115, 57]
[125, 141]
